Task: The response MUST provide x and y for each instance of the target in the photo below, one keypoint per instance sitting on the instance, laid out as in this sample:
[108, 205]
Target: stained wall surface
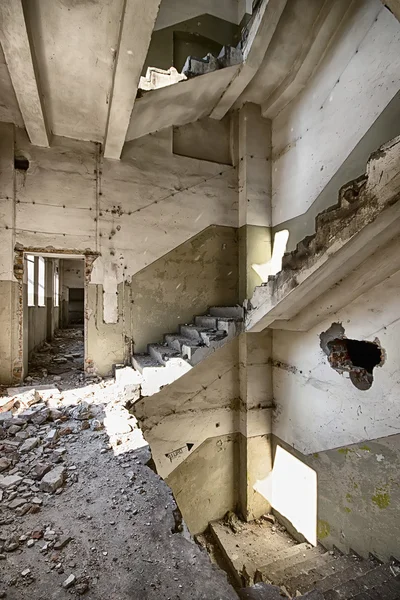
[354, 82]
[348, 436]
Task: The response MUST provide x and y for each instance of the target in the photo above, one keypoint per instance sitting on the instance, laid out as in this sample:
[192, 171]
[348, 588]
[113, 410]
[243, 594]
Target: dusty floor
[111, 528]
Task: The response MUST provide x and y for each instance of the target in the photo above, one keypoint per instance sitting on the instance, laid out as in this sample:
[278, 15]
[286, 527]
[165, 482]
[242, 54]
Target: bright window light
[56, 287]
[30, 262]
[41, 282]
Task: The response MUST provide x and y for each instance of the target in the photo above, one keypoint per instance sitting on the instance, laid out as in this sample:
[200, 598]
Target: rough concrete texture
[111, 529]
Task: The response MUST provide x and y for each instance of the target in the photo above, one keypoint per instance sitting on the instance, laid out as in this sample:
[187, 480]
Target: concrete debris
[29, 445]
[53, 479]
[78, 480]
[69, 582]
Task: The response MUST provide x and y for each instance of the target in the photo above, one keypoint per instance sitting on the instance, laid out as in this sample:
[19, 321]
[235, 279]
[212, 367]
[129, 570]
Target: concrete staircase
[181, 351]
[265, 555]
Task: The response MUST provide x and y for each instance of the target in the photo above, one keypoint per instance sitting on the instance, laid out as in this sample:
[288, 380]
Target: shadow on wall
[291, 489]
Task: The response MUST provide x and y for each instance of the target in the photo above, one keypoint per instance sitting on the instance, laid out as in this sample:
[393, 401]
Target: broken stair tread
[163, 353]
[226, 311]
[181, 340]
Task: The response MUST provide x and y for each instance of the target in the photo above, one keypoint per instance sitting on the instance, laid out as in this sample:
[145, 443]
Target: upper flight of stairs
[164, 363]
[267, 556]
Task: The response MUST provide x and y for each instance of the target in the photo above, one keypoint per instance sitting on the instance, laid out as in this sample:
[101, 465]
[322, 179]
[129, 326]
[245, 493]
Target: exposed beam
[260, 35]
[137, 24]
[17, 51]
[394, 6]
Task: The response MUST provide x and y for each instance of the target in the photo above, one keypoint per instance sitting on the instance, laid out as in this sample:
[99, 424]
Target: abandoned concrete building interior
[199, 299]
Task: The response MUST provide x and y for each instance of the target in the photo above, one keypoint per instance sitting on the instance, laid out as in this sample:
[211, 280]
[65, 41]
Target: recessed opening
[21, 163]
[356, 357]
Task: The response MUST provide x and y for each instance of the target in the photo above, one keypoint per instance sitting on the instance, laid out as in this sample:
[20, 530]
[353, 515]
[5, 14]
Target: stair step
[144, 361]
[302, 583]
[303, 568]
[388, 591]
[284, 569]
[163, 353]
[337, 579]
[263, 573]
[230, 312]
[193, 332]
[176, 341]
[371, 579]
[210, 336]
[206, 321]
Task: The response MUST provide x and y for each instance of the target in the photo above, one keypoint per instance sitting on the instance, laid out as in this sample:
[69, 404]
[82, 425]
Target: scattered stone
[16, 503]
[26, 573]
[29, 445]
[53, 480]
[40, 469]
[62, 543]
[9, 481]
[37, 534]
[69, 582]
[52, 435]
[29, 398]
[30, 543]
[4, 464]
[13, 429]
[37, 501]
[5, 416]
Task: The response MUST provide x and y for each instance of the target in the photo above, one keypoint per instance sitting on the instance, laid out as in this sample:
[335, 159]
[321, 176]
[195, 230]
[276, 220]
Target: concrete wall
[348, 436]
[355, 81]
[133, 213]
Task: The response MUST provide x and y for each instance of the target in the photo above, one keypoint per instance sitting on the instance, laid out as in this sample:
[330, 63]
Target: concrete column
[254, 170]
[10, 312]
[255, 410]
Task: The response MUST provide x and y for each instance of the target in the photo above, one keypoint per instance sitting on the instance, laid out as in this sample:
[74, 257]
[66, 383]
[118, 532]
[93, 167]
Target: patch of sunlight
[274, 265]
[291, 489]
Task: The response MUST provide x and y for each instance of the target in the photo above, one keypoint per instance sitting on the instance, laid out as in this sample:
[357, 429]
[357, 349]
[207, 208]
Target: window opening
[56, 287]
[30, 262]
[41, 282]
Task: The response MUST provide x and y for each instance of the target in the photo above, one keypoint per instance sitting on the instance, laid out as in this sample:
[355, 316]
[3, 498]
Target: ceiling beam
[393, 6]
[262, 29]
[137, 24]
[20, 62]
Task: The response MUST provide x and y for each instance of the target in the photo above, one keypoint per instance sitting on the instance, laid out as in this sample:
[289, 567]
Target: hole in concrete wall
[356, 357]
[21, 163]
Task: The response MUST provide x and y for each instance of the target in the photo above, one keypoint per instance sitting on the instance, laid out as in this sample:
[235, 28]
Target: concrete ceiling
[72, 67]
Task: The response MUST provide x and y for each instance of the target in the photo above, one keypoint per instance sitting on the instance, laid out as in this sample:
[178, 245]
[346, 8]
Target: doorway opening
[53, 319]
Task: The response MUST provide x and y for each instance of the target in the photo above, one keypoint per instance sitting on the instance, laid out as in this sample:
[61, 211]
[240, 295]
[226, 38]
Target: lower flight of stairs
[280, 567]
[302, 569]
[180, 352]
